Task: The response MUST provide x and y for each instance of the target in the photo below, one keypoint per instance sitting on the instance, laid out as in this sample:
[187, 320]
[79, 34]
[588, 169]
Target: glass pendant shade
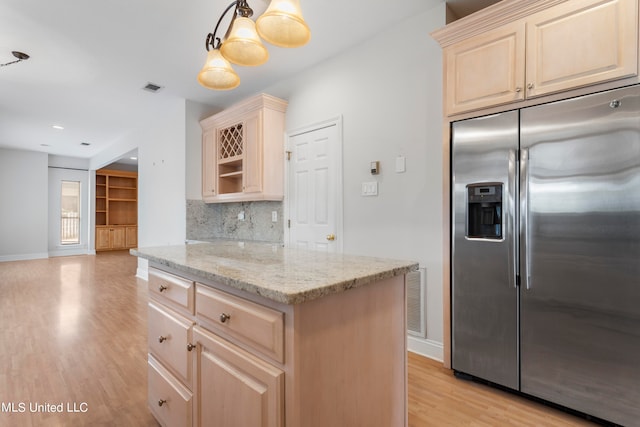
[217, 73]
[282, 24]
[243, 46]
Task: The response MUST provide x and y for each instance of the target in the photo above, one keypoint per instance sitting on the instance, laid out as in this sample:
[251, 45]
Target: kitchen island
[255, 334]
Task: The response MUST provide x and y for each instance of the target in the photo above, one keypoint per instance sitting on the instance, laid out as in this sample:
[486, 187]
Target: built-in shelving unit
[116, 209]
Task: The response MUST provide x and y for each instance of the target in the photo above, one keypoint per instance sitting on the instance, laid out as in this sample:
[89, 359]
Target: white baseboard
[24, 257]
[426, 348]
[70, 252]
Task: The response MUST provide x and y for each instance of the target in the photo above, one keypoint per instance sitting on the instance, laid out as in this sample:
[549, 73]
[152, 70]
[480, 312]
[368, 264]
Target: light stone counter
[285, 275]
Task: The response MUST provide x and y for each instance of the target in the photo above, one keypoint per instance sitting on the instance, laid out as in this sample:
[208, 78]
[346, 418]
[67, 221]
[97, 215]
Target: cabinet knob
[530, 86]
[190, 347]
[224, 317]
[162, 288]
[518, 89]
[331, 237]
[161, 402]
[161, 339]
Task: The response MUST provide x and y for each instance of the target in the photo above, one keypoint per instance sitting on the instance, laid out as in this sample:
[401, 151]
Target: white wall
[23, 213]
[161, 176]
[389, 93]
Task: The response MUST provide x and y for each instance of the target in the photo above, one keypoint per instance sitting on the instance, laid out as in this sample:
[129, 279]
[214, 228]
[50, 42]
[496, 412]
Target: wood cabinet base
[339, 360]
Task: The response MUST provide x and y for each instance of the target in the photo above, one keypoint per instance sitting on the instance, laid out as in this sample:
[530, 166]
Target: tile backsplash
[221, 221]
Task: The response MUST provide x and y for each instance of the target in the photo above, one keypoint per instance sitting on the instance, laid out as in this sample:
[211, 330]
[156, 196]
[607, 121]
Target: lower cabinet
[116, 237]
[221, 357]
[199, 378]
[234, 387]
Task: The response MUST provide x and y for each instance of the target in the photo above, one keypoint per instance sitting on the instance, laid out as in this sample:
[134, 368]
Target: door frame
[334, 121]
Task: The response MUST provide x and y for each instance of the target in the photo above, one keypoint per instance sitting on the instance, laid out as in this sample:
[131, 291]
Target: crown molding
[253, 103]
[492, 17]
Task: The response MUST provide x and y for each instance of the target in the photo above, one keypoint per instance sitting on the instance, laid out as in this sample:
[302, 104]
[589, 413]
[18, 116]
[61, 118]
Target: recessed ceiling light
[133, 158]
[57, 127]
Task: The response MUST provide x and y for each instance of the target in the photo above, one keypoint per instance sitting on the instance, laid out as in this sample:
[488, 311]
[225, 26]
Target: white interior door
[314, 188]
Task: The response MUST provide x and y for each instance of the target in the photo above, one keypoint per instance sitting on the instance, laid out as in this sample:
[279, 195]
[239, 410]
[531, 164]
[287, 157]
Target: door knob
[331, 237]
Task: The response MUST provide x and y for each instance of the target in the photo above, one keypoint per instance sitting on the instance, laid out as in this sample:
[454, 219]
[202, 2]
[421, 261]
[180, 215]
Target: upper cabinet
[485, 70]
[579, 43]
[521, 49]
[243, 152]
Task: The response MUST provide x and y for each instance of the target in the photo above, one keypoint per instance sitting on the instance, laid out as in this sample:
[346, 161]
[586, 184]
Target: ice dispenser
[484, 211]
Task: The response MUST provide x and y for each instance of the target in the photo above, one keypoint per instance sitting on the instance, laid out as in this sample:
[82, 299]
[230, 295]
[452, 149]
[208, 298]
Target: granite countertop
[286, 275]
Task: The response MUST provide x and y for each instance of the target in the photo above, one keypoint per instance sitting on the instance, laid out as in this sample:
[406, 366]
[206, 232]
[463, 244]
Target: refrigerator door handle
[525, 260]
[511, 215]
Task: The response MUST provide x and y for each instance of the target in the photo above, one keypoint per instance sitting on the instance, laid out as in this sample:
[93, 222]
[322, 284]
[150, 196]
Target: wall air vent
[152, 87]
[416, 303]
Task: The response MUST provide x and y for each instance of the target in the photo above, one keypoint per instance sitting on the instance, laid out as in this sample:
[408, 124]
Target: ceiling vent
[152, 87]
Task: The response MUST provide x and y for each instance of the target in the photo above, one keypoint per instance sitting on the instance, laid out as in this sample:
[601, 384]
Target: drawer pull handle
[190, 347]
[161, 339]
[161, 402]
[162, 288]
[224, 317]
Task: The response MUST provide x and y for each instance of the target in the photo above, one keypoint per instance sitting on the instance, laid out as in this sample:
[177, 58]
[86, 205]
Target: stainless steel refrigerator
[546, 252]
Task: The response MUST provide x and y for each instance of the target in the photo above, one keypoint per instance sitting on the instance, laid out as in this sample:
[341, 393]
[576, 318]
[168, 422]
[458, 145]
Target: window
[70, 213]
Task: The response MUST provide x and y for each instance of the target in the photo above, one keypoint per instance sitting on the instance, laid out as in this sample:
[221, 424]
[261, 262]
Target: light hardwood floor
[73, 332]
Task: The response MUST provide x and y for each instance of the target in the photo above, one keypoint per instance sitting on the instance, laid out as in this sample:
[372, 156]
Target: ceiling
[91, 59]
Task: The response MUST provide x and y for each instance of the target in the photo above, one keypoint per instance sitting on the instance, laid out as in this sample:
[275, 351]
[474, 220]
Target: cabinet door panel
[486, 70]
[581, 42]
[102, 238]
[234, 388]
[117, 238]
[209, 163]
[131, 237]
[252, 162]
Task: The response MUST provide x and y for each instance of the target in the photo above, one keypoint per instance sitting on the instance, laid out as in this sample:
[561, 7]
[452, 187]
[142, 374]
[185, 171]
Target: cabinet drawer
[168, 338]
[169, 401]
[172, 290]
[260, 327]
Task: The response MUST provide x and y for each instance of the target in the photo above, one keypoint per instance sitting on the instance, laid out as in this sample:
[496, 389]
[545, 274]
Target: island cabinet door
[233, 387]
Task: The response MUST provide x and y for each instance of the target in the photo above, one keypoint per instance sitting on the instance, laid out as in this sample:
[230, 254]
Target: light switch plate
[401, 164]
[370, 188]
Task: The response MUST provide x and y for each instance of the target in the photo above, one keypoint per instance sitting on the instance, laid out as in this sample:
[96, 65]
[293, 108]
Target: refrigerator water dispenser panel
[484, 211]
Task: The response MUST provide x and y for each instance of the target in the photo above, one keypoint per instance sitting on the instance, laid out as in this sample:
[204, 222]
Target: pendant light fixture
[20, 55]
[281, 25]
